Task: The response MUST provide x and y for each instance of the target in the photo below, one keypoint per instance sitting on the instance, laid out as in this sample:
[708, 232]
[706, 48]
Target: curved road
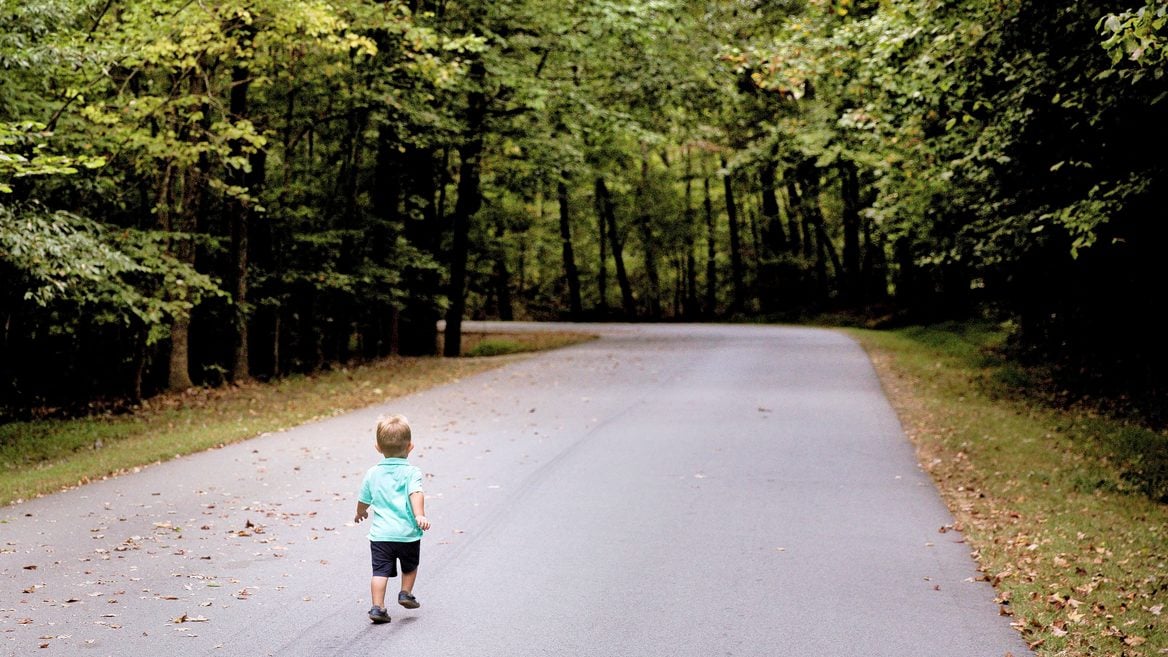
[663, 491]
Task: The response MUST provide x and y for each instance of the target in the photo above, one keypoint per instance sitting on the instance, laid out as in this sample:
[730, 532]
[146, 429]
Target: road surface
[666, 490]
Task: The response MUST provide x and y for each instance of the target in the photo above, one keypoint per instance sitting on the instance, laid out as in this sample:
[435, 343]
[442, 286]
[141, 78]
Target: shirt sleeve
[366, 494]
[415, 485]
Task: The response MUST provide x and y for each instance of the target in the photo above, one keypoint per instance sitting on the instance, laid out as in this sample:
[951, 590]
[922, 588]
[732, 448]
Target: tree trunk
[238, 210]
[813, 218]
[469, 201]
[406, 197]
[711, 253]
[179, 378]
[575, 305]
[737, 272]
[342, 309]
[690, 306]
[183, 221]
[874, 267]
[502, 277]
[644, 225]
[178, 357]
[774, 241]
[600, 198]
[853, 290]
[139, 367]
[622, 277]
[796, 240]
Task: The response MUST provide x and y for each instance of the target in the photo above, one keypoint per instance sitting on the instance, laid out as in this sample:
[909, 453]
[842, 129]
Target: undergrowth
[1064, 506]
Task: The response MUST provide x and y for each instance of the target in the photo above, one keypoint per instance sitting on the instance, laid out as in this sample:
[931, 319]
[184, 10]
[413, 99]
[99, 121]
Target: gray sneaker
[378, 614]
[407, 600]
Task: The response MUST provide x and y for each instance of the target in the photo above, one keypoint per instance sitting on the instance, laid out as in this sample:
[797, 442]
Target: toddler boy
[393, 489]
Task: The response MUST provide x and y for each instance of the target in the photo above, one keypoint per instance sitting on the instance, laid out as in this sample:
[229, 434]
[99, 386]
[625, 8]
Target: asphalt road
[665, 490]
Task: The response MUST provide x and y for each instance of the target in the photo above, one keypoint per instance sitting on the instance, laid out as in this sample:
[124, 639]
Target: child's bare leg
[377, 588]
[408, 580]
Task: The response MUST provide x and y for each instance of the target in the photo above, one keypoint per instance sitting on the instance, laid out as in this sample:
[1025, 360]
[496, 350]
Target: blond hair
[393, 436]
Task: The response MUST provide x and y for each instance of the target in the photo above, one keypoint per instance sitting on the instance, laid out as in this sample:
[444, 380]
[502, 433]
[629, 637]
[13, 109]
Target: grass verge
[479, 344]
[1062, 507]
[45, 456]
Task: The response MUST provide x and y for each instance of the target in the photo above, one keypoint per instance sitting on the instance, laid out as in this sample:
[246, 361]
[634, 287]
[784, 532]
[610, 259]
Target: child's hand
[423, 523]
[361, 515]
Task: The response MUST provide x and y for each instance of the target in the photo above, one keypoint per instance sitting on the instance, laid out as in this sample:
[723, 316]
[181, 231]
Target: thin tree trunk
[853, 289]
[773, 239]
[340, 331]
[239, 211]
[874, 267]
[737, 272]
[572, 275]
[691, 298]
[600, 198]
[469, 201]
[179, 377]
[711, 253]
[276, 370]
[178, 214]
[813, 218]
[502, 277]
[622, 277]
[644, 224]
[795, 237]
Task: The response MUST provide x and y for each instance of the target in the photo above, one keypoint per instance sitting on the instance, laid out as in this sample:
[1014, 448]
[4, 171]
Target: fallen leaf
[1134, 641]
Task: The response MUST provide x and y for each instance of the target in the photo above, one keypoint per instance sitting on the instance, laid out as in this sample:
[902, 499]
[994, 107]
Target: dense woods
[194, 193]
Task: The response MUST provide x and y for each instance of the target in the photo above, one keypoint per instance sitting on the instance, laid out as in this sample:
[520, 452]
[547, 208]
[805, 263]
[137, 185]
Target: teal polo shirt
[387, 488]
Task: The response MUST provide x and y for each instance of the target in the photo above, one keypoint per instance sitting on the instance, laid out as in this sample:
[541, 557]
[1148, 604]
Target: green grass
[1063, 508]
[495, 348]
[500, 344]
[45, 456]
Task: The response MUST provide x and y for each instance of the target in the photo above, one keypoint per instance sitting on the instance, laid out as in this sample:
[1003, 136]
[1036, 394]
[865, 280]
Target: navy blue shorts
[386, 554]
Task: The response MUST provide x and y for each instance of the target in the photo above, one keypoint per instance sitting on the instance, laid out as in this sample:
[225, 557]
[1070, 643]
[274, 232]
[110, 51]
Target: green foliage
[114, 276]
[307, 156]
[24, 152]
[1136, 40]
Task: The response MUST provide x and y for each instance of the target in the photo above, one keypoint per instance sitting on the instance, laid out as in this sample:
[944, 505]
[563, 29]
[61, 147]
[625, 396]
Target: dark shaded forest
[204, 193]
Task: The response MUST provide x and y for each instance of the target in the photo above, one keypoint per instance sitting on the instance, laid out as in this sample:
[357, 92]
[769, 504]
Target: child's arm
[362, 512]
[418, 502]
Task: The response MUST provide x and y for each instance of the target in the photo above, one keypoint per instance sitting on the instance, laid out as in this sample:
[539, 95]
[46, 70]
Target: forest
[200, 192]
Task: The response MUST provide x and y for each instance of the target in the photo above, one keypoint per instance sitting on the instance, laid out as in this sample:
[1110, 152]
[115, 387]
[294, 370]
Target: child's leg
[408, 580]
[377, 588]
